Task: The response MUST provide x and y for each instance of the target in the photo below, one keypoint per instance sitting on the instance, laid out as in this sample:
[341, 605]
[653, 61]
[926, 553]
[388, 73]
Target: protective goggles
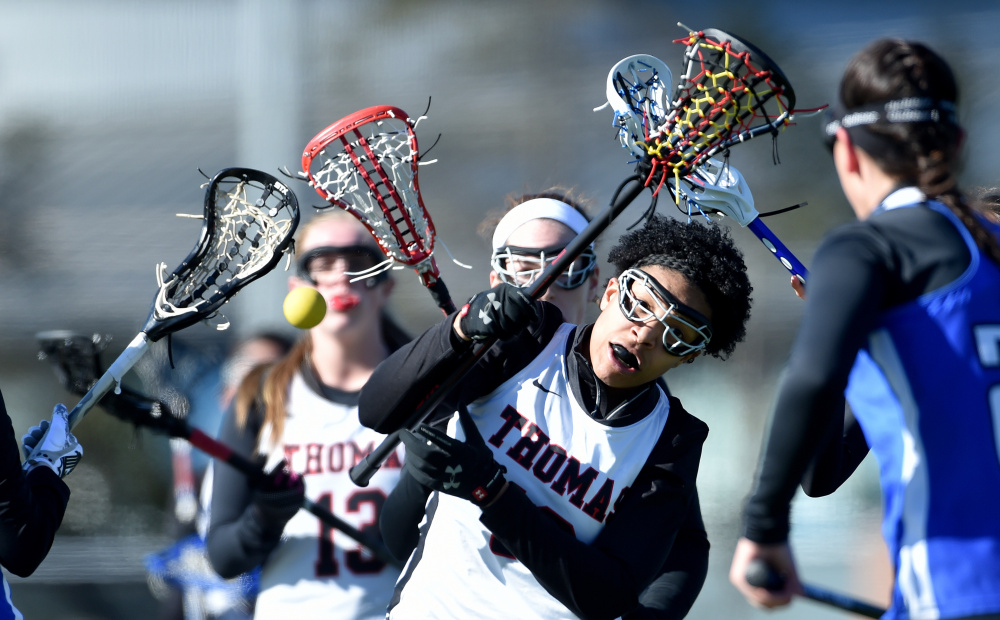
[642, 299]
[352, 260]
[522, 266]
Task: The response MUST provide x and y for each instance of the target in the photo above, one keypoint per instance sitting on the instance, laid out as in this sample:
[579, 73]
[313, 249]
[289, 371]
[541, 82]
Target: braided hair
[924, 154]
[707, 257]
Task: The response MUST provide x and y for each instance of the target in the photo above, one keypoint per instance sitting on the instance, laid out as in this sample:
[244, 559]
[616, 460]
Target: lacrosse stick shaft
[842, 601]
[362, 473]
[110, 379]
[441, 296]
[761, 575]
[222, 452]
[782, 253]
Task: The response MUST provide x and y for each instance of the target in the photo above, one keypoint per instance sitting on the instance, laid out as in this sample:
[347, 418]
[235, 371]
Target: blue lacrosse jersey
[926, 390]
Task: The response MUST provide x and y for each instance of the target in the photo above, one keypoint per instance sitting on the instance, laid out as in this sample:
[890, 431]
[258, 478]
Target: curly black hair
[704, 254]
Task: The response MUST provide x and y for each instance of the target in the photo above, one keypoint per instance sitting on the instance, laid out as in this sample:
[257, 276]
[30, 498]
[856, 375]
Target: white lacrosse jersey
[569, 464]
[317, 571]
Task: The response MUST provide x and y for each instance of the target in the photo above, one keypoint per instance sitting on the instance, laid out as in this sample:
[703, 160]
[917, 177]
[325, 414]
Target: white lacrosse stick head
[638, 90]
[716, 186]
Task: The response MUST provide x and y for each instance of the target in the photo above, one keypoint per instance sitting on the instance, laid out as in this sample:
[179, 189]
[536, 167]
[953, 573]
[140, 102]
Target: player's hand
[463, 469]
[779, 558]
[278, 496]
[799, 286]
[500, 313]
[50, 444]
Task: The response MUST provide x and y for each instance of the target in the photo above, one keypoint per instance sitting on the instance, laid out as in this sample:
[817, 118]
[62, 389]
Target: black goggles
[356, 260]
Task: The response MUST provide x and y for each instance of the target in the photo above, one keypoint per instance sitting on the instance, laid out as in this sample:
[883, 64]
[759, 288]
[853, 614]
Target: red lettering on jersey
[553, 463]
[547, 474]
[511, 418]
[527, 447]
[335, 457]
[290, 453]
[314, 459]
[576, 483]
[597, 507]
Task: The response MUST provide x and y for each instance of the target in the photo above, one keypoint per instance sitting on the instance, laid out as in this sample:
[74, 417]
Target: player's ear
[609, 293]
[843, 152]
[494, 279]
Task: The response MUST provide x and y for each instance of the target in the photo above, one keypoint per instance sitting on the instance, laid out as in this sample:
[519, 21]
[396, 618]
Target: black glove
[500, 313]
[278, 496]
[463, 469]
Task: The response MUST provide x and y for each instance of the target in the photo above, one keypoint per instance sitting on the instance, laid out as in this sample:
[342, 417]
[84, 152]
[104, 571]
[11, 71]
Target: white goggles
[522, 266]
[642, 299]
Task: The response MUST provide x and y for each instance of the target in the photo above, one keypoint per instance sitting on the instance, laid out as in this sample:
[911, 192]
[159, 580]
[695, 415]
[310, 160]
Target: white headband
[537, 208]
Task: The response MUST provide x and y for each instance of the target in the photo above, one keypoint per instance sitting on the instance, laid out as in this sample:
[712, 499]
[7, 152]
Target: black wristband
[485, 493]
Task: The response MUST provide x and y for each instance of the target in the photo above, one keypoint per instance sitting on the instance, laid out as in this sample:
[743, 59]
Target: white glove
[52, 445]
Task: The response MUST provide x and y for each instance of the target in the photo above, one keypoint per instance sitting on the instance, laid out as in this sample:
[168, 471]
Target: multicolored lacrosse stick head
[729, 93]
[366, 164]
[638, 91]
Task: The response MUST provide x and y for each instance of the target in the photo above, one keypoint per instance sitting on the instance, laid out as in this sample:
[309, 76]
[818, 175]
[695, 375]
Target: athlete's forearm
[844, 297]
[236, 541]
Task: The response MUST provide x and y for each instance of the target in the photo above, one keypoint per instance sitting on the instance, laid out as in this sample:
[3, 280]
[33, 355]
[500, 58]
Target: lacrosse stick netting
[248, 223]
[730, 92]
[366, 164]
[638, 91]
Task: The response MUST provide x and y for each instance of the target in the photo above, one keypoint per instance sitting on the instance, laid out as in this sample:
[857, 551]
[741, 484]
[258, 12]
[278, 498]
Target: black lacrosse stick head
[250, 218]
[76, 361]
[75, 358]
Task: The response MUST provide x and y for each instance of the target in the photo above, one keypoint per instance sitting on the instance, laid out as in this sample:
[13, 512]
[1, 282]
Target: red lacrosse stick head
[366, 164]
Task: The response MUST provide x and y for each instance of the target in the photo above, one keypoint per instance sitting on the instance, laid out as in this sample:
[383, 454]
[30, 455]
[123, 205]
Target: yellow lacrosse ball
[304, 307]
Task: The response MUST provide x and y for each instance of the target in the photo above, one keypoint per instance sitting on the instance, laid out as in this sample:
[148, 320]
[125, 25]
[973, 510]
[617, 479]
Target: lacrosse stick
[78, 357]
[717, 187]
[248, 224]
[366, 164]
[760, 575]
[730, 93]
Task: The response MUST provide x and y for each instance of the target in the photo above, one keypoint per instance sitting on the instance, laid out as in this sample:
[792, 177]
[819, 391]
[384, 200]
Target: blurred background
[110, 111]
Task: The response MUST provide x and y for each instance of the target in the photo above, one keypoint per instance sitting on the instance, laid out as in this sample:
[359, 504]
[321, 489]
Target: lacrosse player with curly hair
[563, 478]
